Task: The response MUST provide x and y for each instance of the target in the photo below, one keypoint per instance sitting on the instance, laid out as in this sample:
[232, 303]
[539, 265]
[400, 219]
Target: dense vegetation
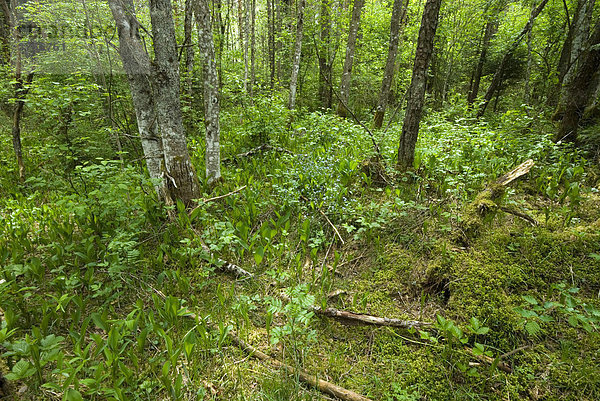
[109, 292]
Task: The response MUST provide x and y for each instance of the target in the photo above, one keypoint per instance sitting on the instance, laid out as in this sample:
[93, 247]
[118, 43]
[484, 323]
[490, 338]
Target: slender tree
[416, 92]
[188, 48]
[211, 92]
[398, 19]
[498, 75]
[324, 54]
[490, 29]
[20, 84]
[349, 61]
[297, 54]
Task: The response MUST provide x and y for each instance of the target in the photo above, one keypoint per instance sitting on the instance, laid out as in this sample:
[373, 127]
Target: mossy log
[486, 204]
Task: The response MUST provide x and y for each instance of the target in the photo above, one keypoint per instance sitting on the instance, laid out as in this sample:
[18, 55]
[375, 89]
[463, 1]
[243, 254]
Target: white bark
[211, 92]
[297, 54]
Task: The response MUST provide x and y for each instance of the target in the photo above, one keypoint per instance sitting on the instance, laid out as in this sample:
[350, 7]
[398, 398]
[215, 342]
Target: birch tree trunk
[182, 180]
[416, 92]
[297, 54]
[252, 46]
[188, 49]
[271, 41]
[398, 19]
[497, 79]
[211, 92]
[347, 72]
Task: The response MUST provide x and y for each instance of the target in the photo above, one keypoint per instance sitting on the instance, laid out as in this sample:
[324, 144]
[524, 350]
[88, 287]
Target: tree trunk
[490, 30]
[324, 54]
[271, 41]
[188, 48]
[297, 54]
[416, 94]
[211, 92]
[182, 180]
[398, 19]
[577, 37]
[347, 72]
[136, 64]
[581, 89]
[497, 79]
[252, 46]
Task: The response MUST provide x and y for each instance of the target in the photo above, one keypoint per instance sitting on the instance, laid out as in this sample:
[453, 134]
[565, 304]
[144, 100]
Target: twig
[260, 148]
[224, 196]
[484, 358]
[524, 216]
[313, 381]
[326, 218]
[514, 351]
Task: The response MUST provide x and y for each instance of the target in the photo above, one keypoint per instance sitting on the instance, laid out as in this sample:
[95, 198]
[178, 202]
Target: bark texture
[297, 55]
[349, 61]
[497, 79]
[182, 180]
[398, 20]
[416, 92]
[136, 64]
[581, 89]
[211, 92]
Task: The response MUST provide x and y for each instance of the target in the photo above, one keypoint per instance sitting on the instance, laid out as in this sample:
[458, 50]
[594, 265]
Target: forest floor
[102, 297]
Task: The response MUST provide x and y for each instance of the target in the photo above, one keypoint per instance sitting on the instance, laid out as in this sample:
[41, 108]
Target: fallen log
[487, 203]
[311, 380]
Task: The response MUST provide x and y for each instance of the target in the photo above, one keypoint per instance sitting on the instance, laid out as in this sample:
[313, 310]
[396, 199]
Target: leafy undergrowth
[103, 298]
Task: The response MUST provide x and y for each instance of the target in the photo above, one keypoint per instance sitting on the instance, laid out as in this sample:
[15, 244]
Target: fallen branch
[203, 201]
[321, 385]
[521, 215]
[258, 149]
[490, 361]
[367, 319]
[326, 218]
[313, 381]
[364, 319]
[515, 173]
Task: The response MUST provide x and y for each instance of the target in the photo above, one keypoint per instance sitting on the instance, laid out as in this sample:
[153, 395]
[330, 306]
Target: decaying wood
[358, 318]
[311, 380]
[367, 319]
[515, 173]
[487, 203]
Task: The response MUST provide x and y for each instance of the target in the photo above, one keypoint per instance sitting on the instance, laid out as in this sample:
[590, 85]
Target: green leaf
[259, 254]
[73, 395]
[532, 328]
[530, 299]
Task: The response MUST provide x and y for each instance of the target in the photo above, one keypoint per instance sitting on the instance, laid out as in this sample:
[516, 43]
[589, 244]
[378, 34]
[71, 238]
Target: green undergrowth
[104, 298]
